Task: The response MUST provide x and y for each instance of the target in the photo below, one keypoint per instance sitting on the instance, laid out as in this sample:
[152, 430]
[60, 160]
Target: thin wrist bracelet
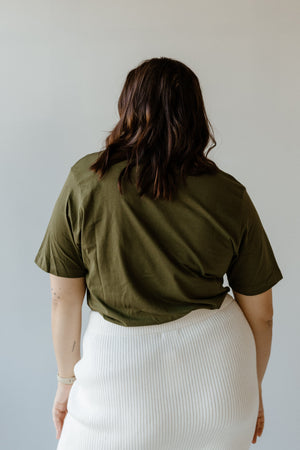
[64, 380]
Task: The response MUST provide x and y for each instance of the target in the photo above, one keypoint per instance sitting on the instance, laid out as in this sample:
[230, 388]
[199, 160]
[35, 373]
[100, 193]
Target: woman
[147, 228]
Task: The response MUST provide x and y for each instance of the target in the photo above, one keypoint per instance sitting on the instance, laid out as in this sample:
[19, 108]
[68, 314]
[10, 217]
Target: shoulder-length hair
[163, 129]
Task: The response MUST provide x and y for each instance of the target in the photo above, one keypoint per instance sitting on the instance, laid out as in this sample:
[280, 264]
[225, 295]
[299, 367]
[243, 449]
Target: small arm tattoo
[55, 297]
[74, 343]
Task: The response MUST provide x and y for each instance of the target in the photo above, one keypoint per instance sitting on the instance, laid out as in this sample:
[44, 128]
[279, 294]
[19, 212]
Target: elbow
[269, 322]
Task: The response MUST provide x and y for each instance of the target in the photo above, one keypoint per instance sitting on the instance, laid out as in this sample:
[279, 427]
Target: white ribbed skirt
[188, 384]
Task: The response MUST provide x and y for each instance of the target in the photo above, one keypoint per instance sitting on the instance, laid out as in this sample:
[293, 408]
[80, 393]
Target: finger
[255, 435]
[57, 422]
[260, 427]
[58, 428]
[58, 433]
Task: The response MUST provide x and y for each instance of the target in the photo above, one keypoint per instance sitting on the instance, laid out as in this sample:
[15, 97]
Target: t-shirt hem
[46, 268]
[277, 276]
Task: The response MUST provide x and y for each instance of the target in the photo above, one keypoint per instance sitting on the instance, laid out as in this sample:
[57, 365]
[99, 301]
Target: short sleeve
[60, 251]
[254, 269]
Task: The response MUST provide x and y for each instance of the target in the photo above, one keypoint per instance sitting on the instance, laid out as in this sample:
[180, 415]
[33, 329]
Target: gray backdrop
[63, 64]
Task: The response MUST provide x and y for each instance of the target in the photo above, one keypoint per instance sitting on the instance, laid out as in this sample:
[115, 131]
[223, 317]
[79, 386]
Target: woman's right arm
[258, 310]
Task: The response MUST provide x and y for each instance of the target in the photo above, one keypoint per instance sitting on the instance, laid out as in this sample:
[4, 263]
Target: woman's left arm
[67, 297]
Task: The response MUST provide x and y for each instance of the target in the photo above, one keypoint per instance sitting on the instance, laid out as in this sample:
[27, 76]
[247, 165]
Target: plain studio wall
[63, 64]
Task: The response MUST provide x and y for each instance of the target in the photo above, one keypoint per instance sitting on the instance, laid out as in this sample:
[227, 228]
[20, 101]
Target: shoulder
[82, 176]
[227, 178]
[83, 164]
[230, 186]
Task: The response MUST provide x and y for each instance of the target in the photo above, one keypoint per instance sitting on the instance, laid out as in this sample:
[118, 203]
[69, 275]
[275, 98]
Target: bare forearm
[262, 331]
[66, 333]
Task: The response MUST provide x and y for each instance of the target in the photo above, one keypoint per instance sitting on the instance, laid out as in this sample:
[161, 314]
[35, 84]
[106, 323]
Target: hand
[260, 419]
[59, 409]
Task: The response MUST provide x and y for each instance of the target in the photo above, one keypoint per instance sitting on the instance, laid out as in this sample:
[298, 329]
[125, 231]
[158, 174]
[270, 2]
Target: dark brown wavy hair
[163, 129]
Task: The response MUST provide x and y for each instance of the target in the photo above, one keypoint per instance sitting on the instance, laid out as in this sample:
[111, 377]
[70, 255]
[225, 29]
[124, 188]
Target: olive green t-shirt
[149, 261]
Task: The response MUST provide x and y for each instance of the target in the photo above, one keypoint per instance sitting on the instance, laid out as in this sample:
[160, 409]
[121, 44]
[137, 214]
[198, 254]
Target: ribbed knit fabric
[188, 384]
